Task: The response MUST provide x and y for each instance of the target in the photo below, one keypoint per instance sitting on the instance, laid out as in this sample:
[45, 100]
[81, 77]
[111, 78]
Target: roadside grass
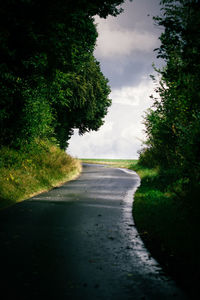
[168, 225]
[33, 169]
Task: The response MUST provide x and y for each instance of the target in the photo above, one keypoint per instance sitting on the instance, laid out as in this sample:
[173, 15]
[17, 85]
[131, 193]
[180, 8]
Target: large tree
[47, 68]
[173, 125]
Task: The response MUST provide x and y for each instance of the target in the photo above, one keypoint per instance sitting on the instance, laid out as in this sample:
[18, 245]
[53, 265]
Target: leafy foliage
[80, 100]
[173, 124]
[50, 81]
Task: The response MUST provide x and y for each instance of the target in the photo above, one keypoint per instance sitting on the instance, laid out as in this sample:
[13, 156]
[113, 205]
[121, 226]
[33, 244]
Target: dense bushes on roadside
[173, 123]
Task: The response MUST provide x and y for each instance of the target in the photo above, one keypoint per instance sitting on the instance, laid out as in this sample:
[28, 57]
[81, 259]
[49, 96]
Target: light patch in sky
[125, 51]
[115, 40]
[131, 95]
[123, 132]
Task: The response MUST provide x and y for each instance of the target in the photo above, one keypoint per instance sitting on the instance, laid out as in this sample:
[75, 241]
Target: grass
[168, 225]
[33, 169]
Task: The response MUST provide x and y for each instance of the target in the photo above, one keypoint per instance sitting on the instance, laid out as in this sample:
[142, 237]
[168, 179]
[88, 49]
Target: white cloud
[125, 50]
[121, 135]
[116, 40]
[133, 95]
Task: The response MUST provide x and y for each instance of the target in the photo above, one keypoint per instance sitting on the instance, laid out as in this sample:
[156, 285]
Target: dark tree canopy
[173, 125]
[50, 82]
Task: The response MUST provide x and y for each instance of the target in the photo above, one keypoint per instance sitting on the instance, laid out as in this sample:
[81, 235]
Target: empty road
[79, 241]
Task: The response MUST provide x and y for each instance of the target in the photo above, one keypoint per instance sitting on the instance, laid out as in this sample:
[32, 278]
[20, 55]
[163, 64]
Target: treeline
[50, 82]
[173, 123]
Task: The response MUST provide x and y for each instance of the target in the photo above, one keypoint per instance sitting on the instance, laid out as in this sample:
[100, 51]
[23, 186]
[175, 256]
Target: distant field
[119, 163]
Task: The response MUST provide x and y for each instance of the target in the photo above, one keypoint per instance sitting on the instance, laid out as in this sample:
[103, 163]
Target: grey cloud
[121, 135]
[138, 14]
[128, 71]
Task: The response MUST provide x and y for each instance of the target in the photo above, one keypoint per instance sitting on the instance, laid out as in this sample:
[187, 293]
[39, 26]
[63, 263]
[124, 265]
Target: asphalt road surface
[79, 241]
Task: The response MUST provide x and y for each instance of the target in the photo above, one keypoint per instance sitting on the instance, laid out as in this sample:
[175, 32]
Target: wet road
[79, 241]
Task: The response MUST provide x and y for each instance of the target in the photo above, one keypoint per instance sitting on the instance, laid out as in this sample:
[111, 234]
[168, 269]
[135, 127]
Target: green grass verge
[33, 169]
[168, 225]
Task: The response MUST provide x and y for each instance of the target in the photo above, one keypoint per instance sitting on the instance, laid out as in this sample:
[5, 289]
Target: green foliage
[47, 70]
[79, 100]
[173, 124]
[166, 206]
[36, 117]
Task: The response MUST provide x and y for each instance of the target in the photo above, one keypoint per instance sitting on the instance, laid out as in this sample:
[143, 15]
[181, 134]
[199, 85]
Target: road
[79, 241]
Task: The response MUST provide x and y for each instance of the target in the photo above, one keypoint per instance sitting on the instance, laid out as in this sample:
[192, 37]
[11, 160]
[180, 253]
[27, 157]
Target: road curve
[79, 241]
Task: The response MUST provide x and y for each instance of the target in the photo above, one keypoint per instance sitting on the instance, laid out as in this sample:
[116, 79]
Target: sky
[124, 49]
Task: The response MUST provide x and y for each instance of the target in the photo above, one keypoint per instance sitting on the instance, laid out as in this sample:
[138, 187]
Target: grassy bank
[33, 169]
[168, 225]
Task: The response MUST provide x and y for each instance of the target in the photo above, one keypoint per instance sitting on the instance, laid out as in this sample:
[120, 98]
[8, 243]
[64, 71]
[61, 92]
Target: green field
[121, 163]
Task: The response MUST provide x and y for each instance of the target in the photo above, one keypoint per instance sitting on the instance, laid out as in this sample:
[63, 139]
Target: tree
[173, 125]
[80, 100]
[44, 48]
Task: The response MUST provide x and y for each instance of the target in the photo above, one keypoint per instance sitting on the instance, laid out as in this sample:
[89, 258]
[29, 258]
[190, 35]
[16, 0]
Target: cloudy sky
[125, 51]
